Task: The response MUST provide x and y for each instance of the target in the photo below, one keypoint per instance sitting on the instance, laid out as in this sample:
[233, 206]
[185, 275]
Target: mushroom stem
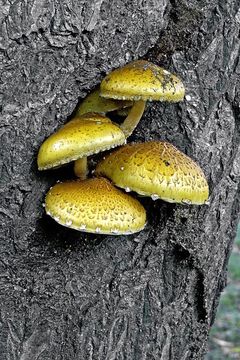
[133, 117]
[81, 168]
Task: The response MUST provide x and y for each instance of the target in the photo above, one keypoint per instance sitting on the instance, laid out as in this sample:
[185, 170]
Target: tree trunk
[69, 295]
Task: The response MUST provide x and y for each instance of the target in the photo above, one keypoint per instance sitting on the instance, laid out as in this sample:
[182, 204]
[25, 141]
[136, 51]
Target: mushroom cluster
[156, 168]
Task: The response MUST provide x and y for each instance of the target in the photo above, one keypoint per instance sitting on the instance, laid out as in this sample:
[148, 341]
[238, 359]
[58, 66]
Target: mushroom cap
[142, 80]
[95, 103]
[95, 206]
[82, 136]
[156, 169]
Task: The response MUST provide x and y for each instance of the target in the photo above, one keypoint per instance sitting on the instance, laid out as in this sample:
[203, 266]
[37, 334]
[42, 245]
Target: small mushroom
[156, 169]
[82, 136]
[140, 81]
[96, 206]
[95, 103]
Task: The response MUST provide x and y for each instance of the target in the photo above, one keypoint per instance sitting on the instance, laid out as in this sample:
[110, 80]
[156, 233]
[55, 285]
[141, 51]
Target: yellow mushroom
[82, 136]
[95, 103]
[156, 169]
[96, 206]
[140, 81]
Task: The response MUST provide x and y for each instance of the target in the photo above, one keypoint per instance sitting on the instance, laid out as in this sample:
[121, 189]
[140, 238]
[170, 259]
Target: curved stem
[81, 168]
[133, 117]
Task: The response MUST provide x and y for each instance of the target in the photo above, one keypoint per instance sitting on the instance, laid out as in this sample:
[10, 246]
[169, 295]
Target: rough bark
[68, 295]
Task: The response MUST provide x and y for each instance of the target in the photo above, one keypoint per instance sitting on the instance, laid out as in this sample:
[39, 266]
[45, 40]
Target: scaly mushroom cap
[83, 136]
[95, 206]
[142, 80]
[156, 169]
[94, 103]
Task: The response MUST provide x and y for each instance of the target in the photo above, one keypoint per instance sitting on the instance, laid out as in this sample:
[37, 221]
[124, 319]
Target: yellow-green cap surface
[156, 169]
[95, 206]
[142, 80]
[94, 103]
[82, 136]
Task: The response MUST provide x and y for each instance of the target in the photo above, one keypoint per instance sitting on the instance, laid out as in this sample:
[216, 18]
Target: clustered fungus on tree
[155, 169]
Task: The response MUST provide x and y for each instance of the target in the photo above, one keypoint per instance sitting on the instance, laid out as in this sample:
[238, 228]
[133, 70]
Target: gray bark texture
[67, 295]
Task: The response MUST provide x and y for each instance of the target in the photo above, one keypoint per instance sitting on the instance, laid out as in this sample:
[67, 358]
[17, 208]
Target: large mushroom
[157, 169]
[140, 81]
[82, 136]
[95, 206]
